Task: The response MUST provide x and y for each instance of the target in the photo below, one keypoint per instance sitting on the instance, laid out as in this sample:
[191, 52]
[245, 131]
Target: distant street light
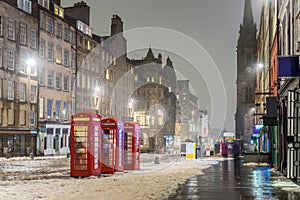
[259, 66]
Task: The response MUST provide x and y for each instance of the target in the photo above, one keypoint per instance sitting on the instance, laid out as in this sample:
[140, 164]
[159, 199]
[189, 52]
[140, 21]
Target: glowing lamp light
[30, 62]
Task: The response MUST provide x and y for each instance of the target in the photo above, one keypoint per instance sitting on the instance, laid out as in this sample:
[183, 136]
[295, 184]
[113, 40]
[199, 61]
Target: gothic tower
[246, 74]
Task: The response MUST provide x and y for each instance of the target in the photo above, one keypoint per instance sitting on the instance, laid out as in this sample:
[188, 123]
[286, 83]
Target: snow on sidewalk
[152, 181]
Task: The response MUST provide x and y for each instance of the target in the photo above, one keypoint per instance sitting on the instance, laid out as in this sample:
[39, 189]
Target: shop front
[17, 143]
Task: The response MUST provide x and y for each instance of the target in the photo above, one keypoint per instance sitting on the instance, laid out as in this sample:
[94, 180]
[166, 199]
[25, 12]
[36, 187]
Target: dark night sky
[205, 33]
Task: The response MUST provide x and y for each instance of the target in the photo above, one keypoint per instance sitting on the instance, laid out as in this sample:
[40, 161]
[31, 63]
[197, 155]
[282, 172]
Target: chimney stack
[116, 25]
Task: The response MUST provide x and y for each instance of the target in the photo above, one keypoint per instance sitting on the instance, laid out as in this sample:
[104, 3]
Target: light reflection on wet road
[232, 180]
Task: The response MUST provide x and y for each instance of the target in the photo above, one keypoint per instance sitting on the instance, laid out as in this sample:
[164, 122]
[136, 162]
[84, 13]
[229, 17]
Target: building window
[42, 76]
[111, 75]
[66, 83]
[22, 64]
[88, 45]
[57, 109]
[22, 117]
[23, 34]
[58, 11]
[25, 5]
[1, 88]
[1, 25]
[66, 34]
[11, 29]
[1, 57]
[66, 57]
[32, 118]
[0, 115]
[42, 48]
[138, 119]
[107, 74]
[72, 37]
[44, 3]
[41, 107]
[50, 25]
[33, 71]
[59, 30]
[72, 84]
[50, 52]
[50, 78]
[11, 60]
[33, 39]
[33, 93]
[42, 21]
[22, 94]
[49, 108]
[72, 59]
[10, 90]
[65, 110]
[58, 81]
[58, 54]
[11, 116]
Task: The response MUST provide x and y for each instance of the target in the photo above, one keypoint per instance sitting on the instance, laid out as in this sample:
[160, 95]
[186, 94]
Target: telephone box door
[131, 146]
[113, 145]
[85, 144]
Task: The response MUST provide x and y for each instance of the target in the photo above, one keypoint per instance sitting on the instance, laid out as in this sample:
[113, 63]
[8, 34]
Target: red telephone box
[85, 144]
[131, 145]
[112, 145]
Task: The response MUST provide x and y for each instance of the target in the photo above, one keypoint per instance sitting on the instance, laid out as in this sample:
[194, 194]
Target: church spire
[248, 20]
[150, 55]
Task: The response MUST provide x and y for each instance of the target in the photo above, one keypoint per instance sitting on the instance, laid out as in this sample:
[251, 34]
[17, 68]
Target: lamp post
[31, 62]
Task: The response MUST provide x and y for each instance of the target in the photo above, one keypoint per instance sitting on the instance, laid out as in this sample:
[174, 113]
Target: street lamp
[31, 62]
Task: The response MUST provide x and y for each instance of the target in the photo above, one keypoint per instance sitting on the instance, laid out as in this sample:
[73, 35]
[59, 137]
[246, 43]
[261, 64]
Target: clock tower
[246, 75]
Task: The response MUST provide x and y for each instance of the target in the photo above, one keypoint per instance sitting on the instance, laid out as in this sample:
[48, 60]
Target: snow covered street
[49, 178]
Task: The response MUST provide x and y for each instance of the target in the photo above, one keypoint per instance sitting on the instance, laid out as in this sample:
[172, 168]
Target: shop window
[14, 143]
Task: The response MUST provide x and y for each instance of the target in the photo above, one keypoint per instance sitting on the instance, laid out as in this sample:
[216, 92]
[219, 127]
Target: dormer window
[24, 5]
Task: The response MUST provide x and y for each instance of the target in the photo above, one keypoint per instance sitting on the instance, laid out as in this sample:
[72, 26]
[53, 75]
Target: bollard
[31, 156]
[156, 161]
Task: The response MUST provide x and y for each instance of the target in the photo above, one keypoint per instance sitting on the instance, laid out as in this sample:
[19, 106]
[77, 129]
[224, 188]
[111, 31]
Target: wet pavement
[233, 180]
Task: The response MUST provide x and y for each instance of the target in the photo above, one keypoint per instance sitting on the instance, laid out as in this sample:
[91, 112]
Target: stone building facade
[56, 63]
[18, 78]
[155, 102]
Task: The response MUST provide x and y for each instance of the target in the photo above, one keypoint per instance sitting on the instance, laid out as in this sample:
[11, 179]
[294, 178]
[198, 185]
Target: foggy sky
[213, 24]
